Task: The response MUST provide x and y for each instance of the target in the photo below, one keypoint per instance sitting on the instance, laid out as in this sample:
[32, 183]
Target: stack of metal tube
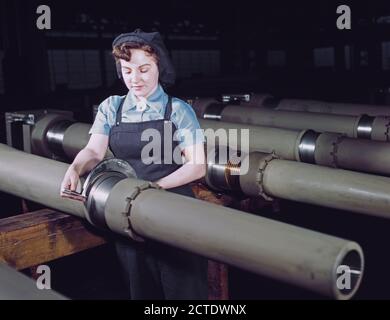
[361, 126]
[295, 151]
[267, 101]
[306, 157]
[139, 210]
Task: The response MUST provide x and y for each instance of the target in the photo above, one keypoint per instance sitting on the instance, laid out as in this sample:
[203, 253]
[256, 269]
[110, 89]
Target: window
[1, 73]
[111, 74]
[386, 55]
[348, 56]
[196, 62]
[324, 57]
[276, 58]
[76, 69]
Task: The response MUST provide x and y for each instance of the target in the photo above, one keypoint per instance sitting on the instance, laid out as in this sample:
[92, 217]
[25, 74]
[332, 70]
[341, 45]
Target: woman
[153, 270]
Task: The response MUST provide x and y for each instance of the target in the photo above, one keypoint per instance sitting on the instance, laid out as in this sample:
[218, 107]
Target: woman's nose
[135, 76]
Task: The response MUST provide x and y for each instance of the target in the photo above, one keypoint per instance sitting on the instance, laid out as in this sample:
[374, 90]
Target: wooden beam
[37, 237]
[218, 277]
[218, 281]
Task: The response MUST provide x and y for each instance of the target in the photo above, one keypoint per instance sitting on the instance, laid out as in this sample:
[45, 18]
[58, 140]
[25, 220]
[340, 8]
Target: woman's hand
[85, 160]
[70, 181]
[193, 169]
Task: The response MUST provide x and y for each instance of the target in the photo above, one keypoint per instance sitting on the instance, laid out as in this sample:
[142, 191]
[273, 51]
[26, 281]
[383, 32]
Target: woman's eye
[144, 70]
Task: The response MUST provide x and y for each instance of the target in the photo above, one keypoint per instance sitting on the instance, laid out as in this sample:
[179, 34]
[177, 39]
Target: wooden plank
[218, 281]
[203, 193]
[37, 237]
[218, 276]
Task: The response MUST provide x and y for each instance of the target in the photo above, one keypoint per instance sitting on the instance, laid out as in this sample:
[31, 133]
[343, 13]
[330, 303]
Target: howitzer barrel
[362, 126]
[129, 206]
[269, 102]
[324, 107]
[327, 149]
[267, 176]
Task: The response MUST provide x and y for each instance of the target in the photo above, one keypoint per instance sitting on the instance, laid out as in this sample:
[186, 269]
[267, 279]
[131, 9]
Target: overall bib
[154, 270]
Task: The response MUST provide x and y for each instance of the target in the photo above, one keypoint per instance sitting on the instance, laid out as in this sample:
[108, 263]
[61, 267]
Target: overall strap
[118, 119]
[168, 109]
[167, 114]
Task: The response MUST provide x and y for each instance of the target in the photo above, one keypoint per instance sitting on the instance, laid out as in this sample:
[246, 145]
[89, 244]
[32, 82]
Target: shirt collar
[157, 100]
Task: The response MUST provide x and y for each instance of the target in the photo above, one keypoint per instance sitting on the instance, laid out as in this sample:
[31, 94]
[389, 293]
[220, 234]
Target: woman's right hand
[70, 181]
[85, 160]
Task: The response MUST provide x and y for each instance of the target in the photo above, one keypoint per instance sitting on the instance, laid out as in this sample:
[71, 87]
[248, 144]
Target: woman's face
[140, 74]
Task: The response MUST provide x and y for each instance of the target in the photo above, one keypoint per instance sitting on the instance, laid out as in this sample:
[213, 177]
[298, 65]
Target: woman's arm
[193, 169]
[85, 160]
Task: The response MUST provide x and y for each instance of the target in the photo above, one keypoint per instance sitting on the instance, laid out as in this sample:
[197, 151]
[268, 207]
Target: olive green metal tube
[35, 178]
[306, 105]
[57, 136]
[16, 286]
[381, 129]
[332, 107]
[348, 125]
[256, 99]
[253, 243]
[283, 142]
[338, 151]
[334, 188]
[329, 149]
[288, 253]
[76, 137]
[200, 105]
[291, 120]
[39, 135]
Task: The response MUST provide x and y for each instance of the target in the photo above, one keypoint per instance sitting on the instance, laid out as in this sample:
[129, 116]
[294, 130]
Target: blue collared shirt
[183, 116]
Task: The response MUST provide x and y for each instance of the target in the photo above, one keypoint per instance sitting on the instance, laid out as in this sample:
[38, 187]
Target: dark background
[285, 48]
[289, 49]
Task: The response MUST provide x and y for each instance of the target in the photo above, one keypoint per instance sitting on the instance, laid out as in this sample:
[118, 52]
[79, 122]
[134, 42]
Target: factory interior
[303, 215]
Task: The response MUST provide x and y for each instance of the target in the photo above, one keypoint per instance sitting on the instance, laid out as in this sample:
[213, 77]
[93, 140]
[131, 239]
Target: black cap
[167, 74]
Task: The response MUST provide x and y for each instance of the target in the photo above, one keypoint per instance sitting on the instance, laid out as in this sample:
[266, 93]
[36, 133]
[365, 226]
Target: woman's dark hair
[123, 51]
